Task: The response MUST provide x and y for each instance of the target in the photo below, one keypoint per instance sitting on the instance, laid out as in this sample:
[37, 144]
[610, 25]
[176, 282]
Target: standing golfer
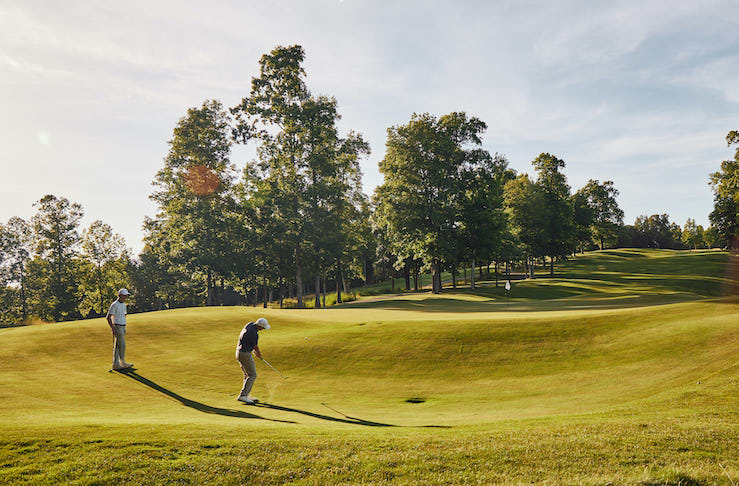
[117, 322]
[248, 340]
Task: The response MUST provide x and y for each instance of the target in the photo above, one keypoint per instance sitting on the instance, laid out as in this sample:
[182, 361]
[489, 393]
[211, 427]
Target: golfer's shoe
[127, 365]
[255, 400]
[246, 400]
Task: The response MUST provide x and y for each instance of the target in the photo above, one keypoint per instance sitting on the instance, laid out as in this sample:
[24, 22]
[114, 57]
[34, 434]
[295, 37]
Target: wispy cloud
[638, 92]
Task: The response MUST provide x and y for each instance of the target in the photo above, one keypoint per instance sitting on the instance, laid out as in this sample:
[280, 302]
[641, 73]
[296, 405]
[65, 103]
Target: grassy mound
[457, 388]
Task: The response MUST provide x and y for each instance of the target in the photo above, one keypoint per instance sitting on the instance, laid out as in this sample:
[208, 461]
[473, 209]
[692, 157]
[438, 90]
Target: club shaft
[265, 362]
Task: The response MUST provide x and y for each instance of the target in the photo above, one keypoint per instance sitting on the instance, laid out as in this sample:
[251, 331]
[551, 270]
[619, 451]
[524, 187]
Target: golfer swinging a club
[247, 344]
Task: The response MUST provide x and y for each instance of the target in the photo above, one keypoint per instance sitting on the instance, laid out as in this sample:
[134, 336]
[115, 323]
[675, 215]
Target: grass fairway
[623, 372]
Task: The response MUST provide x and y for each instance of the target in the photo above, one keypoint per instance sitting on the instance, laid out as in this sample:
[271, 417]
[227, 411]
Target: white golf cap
[262, 322]
[123, 292]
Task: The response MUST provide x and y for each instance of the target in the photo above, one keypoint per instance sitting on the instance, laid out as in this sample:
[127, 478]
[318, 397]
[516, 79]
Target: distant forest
[297, 222]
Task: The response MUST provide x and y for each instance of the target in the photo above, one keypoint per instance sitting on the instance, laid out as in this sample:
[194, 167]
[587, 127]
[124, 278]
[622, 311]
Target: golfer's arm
[110, 321]
[257, 352]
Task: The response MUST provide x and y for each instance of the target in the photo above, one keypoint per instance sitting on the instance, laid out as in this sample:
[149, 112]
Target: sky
[639, 93]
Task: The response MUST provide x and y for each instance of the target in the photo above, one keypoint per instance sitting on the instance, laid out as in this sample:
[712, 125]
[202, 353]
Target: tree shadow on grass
[519, 305]
[201, 407]
[346, 420]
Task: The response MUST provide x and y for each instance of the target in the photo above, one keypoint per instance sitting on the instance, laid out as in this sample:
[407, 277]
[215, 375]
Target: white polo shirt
[118, 311]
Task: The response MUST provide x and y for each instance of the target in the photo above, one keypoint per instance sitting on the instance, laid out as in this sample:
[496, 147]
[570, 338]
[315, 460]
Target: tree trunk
[472, 273]
[415, 276]
[318, 292]
[209, 297]
[366, 275]
[454, 277]
[100, 292]
[338, 281]
[407, 276]
[464, 268]
[282, 291]
[24, 309]
[265, 296]
[551, 266]
[392, 282]
[435, 277]
[601, 243]
[299, 276]
[497, 266]
[323, 292]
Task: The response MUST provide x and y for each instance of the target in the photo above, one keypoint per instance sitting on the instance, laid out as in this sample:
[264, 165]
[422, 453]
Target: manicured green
[588, 387]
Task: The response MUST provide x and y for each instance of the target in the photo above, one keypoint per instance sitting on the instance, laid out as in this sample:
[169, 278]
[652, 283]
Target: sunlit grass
[589, 380]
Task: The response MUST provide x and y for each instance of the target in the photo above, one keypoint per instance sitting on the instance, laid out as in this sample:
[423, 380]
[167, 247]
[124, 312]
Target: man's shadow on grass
[346, 420]
[201, 407]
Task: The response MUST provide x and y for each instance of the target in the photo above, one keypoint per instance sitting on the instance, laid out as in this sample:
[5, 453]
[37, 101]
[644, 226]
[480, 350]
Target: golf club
[265, 362]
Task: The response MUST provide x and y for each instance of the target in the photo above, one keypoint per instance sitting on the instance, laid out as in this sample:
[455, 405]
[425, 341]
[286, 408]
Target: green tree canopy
[558, 228]
[57, 241]
[607, 216]
[16, 249]
[105, 266]
[194, 194]
[421, 195]
[306, 176]
[725, 183]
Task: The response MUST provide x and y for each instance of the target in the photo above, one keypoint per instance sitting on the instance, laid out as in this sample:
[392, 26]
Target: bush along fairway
[570, 382]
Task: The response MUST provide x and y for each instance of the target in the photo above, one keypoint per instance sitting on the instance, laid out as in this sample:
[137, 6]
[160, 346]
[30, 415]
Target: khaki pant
[119, 346]
[246, 360]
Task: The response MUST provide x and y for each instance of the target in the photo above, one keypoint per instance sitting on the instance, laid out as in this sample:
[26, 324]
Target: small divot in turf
[415, 400]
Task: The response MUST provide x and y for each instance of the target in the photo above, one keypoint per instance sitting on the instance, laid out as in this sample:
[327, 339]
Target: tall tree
[525, 207]
[57, 240]
[106, 261]
[194, 193]
[422, 188]
[273, 115]
[607, 216]
[16, 248]
[558, 228]
[693, 235]
[712, 237]
[305, 169]
[482, 220]
[582, 213]
[725, 183]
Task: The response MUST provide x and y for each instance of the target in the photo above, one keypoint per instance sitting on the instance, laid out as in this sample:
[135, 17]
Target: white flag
[508, 285]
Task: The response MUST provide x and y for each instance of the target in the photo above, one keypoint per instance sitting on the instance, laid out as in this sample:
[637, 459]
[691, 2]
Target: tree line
[296, 222]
